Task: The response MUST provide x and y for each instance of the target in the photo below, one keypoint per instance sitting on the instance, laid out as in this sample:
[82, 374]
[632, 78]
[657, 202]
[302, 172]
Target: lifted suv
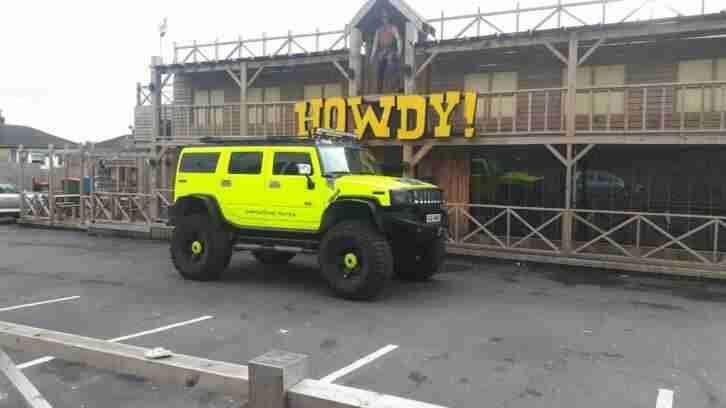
[280, 196]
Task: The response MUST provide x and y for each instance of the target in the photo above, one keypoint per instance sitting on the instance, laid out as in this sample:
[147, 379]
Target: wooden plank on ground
[220, 377]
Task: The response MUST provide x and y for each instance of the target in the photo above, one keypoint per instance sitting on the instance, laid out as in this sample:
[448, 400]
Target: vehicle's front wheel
[356, 260]
[199, 250]
[273, 257]
[420, 263]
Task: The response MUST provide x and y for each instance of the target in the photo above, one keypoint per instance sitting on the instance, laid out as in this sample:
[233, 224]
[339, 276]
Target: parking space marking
[358, 364]
[665, 399]
[46, 359]
[46, 302]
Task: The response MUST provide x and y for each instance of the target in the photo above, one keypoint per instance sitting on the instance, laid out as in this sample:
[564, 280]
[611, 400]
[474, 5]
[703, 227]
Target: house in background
[34, 141]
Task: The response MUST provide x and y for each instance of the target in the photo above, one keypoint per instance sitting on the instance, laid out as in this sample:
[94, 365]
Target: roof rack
[316, 136]
[325, 133]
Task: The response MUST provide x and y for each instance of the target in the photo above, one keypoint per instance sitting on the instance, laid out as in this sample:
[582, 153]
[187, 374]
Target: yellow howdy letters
[333, 113]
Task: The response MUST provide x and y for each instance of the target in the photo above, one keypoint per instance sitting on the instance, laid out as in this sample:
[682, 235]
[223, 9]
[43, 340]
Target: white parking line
[46, 359]
[46, 302]
[358, 364]
[665, 399]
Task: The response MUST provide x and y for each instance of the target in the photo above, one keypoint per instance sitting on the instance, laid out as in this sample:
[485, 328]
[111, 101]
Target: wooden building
[597, 143]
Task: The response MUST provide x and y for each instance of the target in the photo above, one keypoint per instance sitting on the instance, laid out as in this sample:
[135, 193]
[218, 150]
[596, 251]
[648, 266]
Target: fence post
[272, 374]
[51, 180]
[21, 183]
[82, 191]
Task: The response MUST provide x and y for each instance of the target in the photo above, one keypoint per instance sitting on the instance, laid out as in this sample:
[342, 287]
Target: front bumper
[412, 227]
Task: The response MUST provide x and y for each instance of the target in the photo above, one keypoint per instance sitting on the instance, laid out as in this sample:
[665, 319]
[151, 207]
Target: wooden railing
[641, 240]
[518, 19]
[633, 108]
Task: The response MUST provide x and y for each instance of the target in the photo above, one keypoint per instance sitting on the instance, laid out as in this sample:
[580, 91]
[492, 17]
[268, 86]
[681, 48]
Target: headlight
[401, 197]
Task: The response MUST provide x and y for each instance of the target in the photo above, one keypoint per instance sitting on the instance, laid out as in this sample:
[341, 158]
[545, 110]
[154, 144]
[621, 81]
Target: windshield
[339, 160]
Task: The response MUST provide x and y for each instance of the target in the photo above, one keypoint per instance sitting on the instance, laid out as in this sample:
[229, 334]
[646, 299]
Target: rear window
[199, 163]
[245, 163]
[7, 189]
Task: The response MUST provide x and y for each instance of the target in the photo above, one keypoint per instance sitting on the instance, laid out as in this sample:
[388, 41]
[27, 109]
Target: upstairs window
[262, 108]
[708, 98]
[599, 101]
[498, 105]
[208, 108]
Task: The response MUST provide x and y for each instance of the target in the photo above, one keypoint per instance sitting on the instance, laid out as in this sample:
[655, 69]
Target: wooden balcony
[532, 116]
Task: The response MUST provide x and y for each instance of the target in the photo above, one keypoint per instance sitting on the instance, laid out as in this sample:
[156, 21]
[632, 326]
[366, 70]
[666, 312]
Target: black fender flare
[184, 204]
[371, 205]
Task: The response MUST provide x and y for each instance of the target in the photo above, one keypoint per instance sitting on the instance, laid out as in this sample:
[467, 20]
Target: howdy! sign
[403, 117]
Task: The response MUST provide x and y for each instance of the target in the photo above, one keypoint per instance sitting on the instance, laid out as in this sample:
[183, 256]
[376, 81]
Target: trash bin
[71, 186]
[87, 185]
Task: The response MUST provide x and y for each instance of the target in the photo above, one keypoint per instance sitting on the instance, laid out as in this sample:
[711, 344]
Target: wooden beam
[555, 51]
[255, 75]
[582, 154]
[407, 159]
[426, 63]
[421, 153]
[234, 77]
[186, 371]
[557, 154]
[590, 51]
[342, 70]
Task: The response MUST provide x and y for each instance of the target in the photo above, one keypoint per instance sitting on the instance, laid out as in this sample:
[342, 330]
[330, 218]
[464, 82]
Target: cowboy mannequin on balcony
[386, 53]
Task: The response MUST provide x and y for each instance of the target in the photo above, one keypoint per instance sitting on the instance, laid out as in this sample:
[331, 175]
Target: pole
[572, 62]
[21, 182]
[81, 201]
[51, 180]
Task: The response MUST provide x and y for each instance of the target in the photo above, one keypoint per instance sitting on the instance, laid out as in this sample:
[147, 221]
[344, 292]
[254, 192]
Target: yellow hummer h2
[280, 196]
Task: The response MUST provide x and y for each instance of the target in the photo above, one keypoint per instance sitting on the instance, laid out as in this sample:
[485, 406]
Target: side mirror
[304, 169]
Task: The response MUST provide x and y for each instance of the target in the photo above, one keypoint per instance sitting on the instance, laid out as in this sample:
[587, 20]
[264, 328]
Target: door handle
[226, 183]
[274, 184]
[182, 181]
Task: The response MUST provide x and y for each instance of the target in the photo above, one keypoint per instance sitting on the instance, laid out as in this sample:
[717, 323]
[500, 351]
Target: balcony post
[355, 61]
[243, 117]
[409, 55]
[571, 112]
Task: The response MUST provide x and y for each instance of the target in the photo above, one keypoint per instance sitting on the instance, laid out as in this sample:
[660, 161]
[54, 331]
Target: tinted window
[199, 163]
[245, 163]
[286, 163]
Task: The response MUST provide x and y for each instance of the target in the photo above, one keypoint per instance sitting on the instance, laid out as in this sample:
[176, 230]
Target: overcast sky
[70, 67]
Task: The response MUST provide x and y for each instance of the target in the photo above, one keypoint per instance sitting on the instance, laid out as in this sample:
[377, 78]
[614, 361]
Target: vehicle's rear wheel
[200, 251]
[420, 263]
[356, 260]
[273, 257]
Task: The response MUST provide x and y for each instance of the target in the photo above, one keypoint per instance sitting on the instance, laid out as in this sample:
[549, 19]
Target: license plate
[433, 218]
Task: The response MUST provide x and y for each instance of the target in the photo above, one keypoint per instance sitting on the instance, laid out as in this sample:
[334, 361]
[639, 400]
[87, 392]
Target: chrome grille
[428, 197]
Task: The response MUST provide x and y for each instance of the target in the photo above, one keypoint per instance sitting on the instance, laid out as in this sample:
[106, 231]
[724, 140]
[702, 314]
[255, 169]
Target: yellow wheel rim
[197, 247]
[351, 261]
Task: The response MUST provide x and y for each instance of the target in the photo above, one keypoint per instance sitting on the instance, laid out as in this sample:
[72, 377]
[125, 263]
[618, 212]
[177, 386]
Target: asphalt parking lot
[484, 333]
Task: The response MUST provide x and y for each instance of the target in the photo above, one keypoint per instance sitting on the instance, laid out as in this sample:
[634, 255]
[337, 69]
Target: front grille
[428, 197]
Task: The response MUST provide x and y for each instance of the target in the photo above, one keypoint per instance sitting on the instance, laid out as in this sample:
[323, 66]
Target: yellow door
[242, 187]
[297, 201]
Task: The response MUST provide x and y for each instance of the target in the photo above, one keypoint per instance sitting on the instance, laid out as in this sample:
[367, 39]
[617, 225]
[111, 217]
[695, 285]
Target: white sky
[70, 67]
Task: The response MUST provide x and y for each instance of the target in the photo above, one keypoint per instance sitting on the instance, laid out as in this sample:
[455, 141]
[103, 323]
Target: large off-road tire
[273, 257]
[420, 263]
[200, 250]
[356, 260]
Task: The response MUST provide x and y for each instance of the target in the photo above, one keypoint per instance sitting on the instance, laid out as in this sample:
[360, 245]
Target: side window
[245, 163]
[285, 163]
[199, 163]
